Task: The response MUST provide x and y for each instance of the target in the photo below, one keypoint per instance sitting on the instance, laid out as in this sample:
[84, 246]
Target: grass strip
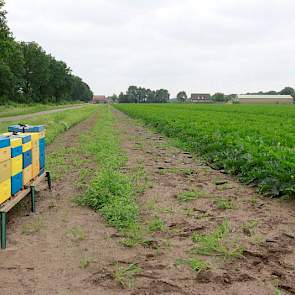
[111, 191]
[24, 109]
[55, 123]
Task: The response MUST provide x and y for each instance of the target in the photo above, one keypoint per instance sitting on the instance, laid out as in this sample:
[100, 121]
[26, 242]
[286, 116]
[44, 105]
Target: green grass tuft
[217, 243]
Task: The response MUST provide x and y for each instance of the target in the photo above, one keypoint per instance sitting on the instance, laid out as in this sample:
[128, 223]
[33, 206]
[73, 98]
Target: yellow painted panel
[5, 190]
[27, 174]
[16, 165]
[36, 168]
[34, 136]
[5, 170]
[35, 154]
[14, 141]
[5, 154]
[27, 146]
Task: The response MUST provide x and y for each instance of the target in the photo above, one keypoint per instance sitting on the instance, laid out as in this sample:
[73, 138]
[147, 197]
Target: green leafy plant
[247, 141]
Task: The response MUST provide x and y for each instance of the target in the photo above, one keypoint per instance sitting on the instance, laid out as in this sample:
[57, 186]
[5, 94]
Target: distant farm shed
[99, 99]
[265, 98]
[200, 97]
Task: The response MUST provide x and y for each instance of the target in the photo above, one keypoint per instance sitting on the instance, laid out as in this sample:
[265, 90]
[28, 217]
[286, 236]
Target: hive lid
[26, 128]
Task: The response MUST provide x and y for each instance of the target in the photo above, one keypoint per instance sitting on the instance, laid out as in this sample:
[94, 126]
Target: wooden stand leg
[49, 180]
[3, 230]
[33, 199]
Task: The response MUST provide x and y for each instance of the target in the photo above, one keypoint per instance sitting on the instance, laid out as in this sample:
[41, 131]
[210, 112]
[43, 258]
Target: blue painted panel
[15, 128]
[37, 128]
[42, 144]
[42, 159]
[4, 142]
[23, 129]
[16, 151]
[25, 137]
[42, 152]
[16, 183]
[27, 159]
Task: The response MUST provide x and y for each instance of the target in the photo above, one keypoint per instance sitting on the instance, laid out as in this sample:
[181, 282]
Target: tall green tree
[219, 97]
[181, 96]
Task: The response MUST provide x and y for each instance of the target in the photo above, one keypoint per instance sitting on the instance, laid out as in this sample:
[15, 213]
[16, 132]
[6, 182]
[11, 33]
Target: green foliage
[111, 191]
[219, 97]
[216, 243]
[156, 225]
[181, 96]
[195, 264]
[191, 195]
[254, 142]
[28, 74]
[136, 94]
[224, 204]
[125, 275]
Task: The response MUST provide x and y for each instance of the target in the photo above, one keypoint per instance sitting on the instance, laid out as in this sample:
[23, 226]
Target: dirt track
[48, 260]
[21, 117]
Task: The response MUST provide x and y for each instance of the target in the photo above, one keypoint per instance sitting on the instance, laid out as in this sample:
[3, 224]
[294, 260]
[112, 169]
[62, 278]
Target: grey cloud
[213, 45]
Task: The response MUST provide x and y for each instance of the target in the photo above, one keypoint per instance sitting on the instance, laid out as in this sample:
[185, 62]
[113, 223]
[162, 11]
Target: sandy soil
[51, 258]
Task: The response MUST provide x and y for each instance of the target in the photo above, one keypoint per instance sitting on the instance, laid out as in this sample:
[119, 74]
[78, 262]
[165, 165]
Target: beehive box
[22, 158]
[5, 169]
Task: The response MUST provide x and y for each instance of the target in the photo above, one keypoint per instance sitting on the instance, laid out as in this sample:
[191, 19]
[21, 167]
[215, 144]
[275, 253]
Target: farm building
[99, 99]
[200, 97]
[265, 98]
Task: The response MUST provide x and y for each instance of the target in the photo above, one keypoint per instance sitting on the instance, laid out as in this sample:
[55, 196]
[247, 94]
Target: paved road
[20, 117]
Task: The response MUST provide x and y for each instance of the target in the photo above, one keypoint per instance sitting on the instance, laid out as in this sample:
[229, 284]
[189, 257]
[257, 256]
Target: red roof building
[99, 99]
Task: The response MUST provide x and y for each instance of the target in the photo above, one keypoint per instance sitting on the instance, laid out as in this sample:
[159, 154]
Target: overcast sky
[231, 46]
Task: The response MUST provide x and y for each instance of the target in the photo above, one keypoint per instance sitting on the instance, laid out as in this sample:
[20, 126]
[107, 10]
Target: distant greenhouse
[265, 98]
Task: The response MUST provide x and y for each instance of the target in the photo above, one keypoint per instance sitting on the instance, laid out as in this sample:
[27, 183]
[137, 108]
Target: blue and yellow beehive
[22, 158]
[38, 145]
[5, 169]
[16, 164]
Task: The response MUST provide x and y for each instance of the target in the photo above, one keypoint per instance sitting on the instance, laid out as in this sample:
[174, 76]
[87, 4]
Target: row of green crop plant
[257, 148]
[55, 123]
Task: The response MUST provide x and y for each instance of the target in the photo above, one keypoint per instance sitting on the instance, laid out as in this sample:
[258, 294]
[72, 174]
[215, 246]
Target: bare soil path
[67, 249]
[21, 117]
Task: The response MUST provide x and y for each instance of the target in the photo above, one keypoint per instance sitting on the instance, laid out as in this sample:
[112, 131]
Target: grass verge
[24, 109]
[55, 123]
[111, 191]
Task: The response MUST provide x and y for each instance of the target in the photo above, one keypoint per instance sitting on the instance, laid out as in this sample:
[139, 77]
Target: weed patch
[156, 225]
[195, 264]
[217, 243]
[224, 204]
[125, 276]
[191, 195]
[33, 226]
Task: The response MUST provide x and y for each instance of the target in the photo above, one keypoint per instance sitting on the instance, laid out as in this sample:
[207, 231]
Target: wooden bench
[9, 204]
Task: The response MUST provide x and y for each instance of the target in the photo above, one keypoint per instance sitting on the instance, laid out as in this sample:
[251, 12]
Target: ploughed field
[253, 142]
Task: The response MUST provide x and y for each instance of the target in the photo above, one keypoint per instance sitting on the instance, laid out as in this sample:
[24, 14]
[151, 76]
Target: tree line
[136, 94]
[28, 74]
